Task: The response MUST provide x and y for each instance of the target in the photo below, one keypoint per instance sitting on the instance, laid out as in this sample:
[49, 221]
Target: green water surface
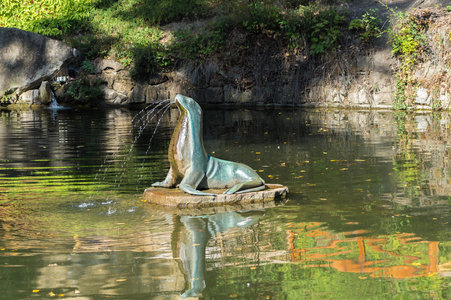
[367, 217]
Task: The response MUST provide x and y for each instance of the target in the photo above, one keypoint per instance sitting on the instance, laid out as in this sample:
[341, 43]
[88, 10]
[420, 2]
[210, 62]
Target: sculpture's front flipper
[191, 181]
[249, 186]
[169, 182]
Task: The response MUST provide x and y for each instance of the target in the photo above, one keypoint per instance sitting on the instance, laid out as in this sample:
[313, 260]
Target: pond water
[367, 217]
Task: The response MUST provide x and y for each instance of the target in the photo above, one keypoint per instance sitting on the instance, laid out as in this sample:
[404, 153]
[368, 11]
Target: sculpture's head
[188, 105]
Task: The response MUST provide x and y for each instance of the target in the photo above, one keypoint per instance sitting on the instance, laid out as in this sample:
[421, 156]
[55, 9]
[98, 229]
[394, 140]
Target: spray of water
[141, 121]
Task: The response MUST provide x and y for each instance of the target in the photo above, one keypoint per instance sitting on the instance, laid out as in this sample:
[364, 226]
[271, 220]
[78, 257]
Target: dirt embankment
[262, 70]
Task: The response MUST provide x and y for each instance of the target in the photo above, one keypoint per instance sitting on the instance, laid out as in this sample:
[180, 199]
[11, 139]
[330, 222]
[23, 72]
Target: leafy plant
[88, 67]
[368, 26]
[7, 99]
[406, 37]
[263, 16]
[408, 40]
[85, 91]
[323, 27]
[191, 45]
[399, 100]
[144, 62]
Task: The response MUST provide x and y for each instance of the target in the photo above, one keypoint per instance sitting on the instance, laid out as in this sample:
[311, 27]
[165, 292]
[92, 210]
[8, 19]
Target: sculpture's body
[193, 168]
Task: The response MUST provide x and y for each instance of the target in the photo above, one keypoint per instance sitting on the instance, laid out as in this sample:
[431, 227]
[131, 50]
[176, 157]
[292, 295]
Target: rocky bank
[359, 75]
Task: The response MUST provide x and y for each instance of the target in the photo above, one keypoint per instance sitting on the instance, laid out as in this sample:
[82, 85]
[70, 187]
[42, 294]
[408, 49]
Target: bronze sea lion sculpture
[193, 169]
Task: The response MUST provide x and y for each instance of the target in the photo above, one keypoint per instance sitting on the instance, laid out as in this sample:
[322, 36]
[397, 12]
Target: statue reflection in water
[191, 239]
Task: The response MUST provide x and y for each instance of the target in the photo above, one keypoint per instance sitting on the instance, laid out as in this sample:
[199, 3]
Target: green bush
[144, 62]
[91, 45]
[84, 91]
[189, 45]
[367, 26]
[262, 16]
[407, 38]
[323, 27]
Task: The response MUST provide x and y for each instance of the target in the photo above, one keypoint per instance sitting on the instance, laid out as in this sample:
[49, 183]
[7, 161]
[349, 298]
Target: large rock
[45, 93]
[27, 59]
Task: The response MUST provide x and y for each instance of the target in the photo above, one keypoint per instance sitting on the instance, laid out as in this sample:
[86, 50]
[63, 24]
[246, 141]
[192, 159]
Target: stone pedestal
[177, 198]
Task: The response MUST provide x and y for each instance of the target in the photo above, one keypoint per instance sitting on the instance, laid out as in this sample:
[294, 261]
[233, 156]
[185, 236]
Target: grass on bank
[131, 30]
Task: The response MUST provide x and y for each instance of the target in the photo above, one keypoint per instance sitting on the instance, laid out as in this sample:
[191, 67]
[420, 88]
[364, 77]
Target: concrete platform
[177, 198]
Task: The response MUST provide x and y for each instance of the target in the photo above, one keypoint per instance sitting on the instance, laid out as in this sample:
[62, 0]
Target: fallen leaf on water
[233, 296]
[35, 291]
[362, 277]
[359, 160]
[51, 294]
[121, 280]
[253, 268]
